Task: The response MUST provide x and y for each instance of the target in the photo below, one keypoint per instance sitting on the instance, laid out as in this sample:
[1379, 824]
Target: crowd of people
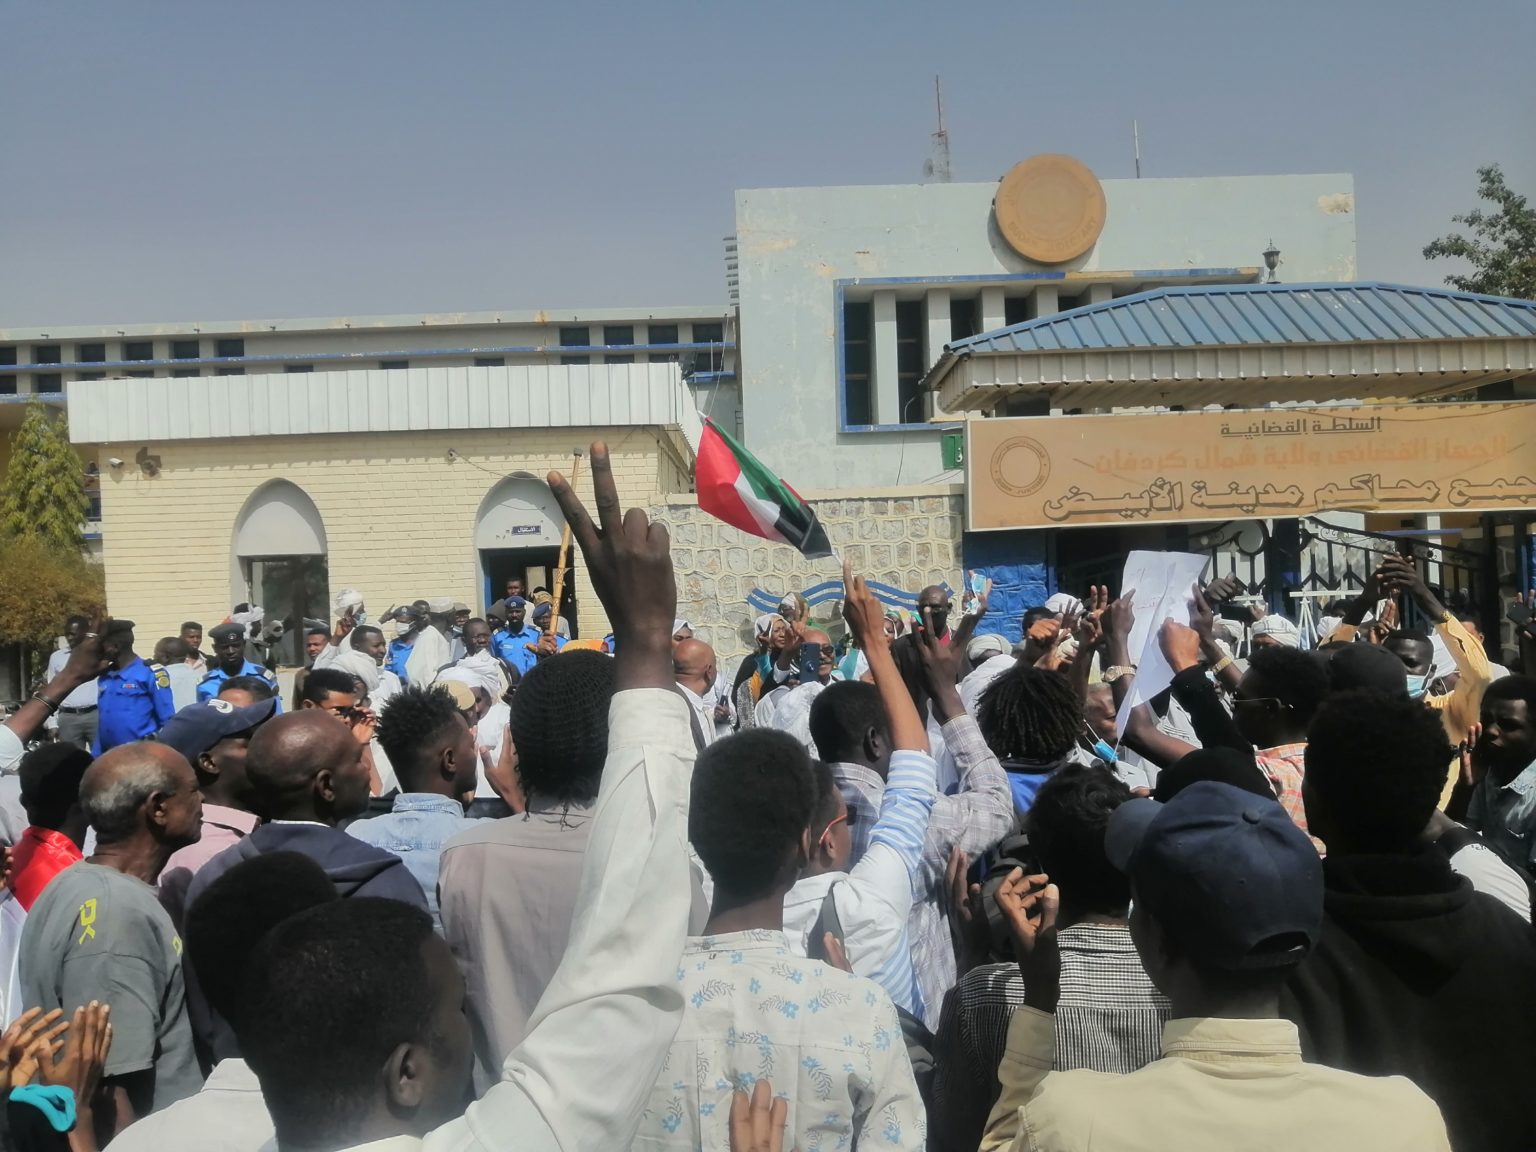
[480, 885]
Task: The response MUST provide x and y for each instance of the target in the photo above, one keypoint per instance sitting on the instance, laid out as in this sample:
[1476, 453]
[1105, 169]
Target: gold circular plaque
[1050, 208]
[1020, 465]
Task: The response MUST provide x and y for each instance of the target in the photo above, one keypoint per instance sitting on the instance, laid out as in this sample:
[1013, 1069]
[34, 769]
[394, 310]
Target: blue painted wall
[1018, 564]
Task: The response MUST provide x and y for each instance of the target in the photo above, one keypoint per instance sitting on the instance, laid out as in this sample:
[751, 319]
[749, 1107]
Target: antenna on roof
[1136, 145]
[936, 167]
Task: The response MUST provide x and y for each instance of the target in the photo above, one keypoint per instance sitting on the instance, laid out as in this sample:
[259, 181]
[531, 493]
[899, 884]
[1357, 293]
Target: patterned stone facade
[907, 541]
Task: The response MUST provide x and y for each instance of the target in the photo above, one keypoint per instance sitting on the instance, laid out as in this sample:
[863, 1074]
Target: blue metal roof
[1227, 315]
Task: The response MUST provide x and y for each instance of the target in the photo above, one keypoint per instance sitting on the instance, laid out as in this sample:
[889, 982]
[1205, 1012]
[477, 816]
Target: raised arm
[1141, 733]
[1212, 723]
[85, 663]
[600, 1033]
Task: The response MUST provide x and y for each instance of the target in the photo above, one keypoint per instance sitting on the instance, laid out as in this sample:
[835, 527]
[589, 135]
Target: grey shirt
[97, 934]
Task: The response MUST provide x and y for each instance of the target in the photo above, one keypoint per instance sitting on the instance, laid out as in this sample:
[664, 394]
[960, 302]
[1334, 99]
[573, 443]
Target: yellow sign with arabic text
[1175, 467]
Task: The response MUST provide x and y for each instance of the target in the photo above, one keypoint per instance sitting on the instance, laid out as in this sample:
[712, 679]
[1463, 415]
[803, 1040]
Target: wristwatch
[1117, 671]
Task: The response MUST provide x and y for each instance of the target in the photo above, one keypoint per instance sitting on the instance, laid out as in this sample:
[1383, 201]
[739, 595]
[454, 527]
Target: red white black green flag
[734, 486]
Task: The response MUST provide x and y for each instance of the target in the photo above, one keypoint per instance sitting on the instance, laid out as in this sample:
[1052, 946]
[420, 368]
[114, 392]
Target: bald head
[693, 664]
[141, 790]
[933, 604]
[307, 766]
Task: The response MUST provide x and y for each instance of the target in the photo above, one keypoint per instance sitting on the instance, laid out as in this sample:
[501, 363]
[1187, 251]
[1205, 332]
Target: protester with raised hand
[1227, 900]
[600, 1033]
[872, 901]
[87, 660]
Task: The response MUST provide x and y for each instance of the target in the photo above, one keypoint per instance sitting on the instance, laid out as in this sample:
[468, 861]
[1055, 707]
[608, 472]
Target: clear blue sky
[179, 161]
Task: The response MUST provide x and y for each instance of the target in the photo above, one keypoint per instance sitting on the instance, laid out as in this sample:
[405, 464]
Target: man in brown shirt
[507, 888]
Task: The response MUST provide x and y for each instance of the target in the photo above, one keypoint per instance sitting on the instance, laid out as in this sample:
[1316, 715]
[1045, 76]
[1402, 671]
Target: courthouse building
[872, 333]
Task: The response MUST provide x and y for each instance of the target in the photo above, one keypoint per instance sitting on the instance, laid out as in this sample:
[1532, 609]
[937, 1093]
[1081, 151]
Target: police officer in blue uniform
[229, 661]
[133, 697]
[511, 643]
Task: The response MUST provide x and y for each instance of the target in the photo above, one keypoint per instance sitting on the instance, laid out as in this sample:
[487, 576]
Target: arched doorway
[278, 561]
[517, 536]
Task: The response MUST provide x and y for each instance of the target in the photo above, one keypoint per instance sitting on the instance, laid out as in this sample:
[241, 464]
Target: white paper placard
[1162, 582]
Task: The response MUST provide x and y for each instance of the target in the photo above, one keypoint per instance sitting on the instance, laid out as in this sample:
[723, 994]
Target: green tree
[39, 587]
[43, 496]
[1502, 246]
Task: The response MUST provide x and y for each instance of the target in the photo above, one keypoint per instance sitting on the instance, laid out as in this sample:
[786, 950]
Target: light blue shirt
[513, 647]
[1505, 815]
[415, 830]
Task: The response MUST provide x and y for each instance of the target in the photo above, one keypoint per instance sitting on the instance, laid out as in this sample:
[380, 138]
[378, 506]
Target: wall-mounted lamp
[1271, 262]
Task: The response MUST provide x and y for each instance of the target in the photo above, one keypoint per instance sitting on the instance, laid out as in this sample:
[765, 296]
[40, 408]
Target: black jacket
[1418, 975]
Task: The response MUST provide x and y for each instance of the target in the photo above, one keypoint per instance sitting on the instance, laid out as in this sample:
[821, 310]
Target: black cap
[227, 632]
[1229, 877]
[118, 627]
[1362, 665]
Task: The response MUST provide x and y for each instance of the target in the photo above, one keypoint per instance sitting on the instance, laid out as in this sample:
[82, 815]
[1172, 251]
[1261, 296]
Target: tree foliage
[43, 495]
[1502, 244]
[40, 586]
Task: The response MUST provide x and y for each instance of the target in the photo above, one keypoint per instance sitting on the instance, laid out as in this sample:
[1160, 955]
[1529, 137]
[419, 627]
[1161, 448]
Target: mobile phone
[1518, 614]
[810, 661]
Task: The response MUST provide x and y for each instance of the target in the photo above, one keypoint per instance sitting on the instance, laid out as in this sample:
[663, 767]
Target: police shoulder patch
[268, 674]
[162, 677]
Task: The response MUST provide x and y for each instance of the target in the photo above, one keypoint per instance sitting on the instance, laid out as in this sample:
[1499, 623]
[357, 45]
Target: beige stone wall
[909, 539]
[399, 513]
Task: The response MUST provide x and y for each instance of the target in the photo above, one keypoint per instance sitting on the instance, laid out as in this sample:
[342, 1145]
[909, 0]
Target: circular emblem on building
[1050, 208]
[1020, 465]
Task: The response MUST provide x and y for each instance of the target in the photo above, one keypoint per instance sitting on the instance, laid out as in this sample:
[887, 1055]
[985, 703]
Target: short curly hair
[560, 726]
[753, 797]
[1066, 826]
[412, 720]
[1378, 764]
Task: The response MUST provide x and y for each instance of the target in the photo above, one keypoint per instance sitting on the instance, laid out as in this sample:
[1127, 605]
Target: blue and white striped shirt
[874, 899]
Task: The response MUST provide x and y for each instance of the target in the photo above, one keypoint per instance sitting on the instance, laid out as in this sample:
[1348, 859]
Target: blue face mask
[1417, 686]
[1104, 752]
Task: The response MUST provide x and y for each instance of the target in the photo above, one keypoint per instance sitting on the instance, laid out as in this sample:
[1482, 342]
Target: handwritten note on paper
[1162, 583]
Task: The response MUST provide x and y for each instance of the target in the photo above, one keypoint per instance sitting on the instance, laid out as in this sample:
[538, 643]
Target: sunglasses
[850, 817]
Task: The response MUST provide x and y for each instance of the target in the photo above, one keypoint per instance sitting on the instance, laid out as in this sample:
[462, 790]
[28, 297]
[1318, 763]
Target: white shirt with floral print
[828, 1041]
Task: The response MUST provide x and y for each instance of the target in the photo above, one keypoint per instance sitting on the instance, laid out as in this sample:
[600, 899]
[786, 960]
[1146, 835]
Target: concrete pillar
[1042, 302]
[1098, 294]
[994, 313]
[938, 331]
[887, 384]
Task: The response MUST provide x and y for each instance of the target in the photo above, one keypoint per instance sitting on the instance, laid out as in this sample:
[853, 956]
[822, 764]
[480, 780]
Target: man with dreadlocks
[1030, 718]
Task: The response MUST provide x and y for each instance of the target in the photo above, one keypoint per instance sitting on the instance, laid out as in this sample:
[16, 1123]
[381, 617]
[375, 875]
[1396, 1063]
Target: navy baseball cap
[1227, 875]
[541, 611]
[198, 727]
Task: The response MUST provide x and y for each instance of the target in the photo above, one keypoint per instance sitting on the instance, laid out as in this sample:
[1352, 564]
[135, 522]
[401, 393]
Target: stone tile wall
[907, 542]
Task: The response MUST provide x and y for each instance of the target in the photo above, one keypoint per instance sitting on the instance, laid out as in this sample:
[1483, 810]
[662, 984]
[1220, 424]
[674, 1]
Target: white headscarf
[478, 671]
[1281, 630]
[440, 605]
[359, 664]
[1064, 604]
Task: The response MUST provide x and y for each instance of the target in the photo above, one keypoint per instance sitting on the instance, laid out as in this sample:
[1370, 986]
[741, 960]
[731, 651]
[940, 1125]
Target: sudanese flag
[734, 486]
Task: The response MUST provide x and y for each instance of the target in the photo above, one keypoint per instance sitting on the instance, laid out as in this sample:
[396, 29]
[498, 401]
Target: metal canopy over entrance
[1246, 344]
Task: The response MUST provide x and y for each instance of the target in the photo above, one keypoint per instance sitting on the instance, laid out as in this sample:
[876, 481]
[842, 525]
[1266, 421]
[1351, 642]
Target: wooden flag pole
[565, 552]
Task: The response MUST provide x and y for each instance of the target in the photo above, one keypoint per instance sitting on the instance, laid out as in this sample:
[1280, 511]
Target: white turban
[477, 671]
[359, 664]
[348, 598]
[440, 605]
[987, 644]
[679, 624]
[1063, 604]
[1281, 630]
